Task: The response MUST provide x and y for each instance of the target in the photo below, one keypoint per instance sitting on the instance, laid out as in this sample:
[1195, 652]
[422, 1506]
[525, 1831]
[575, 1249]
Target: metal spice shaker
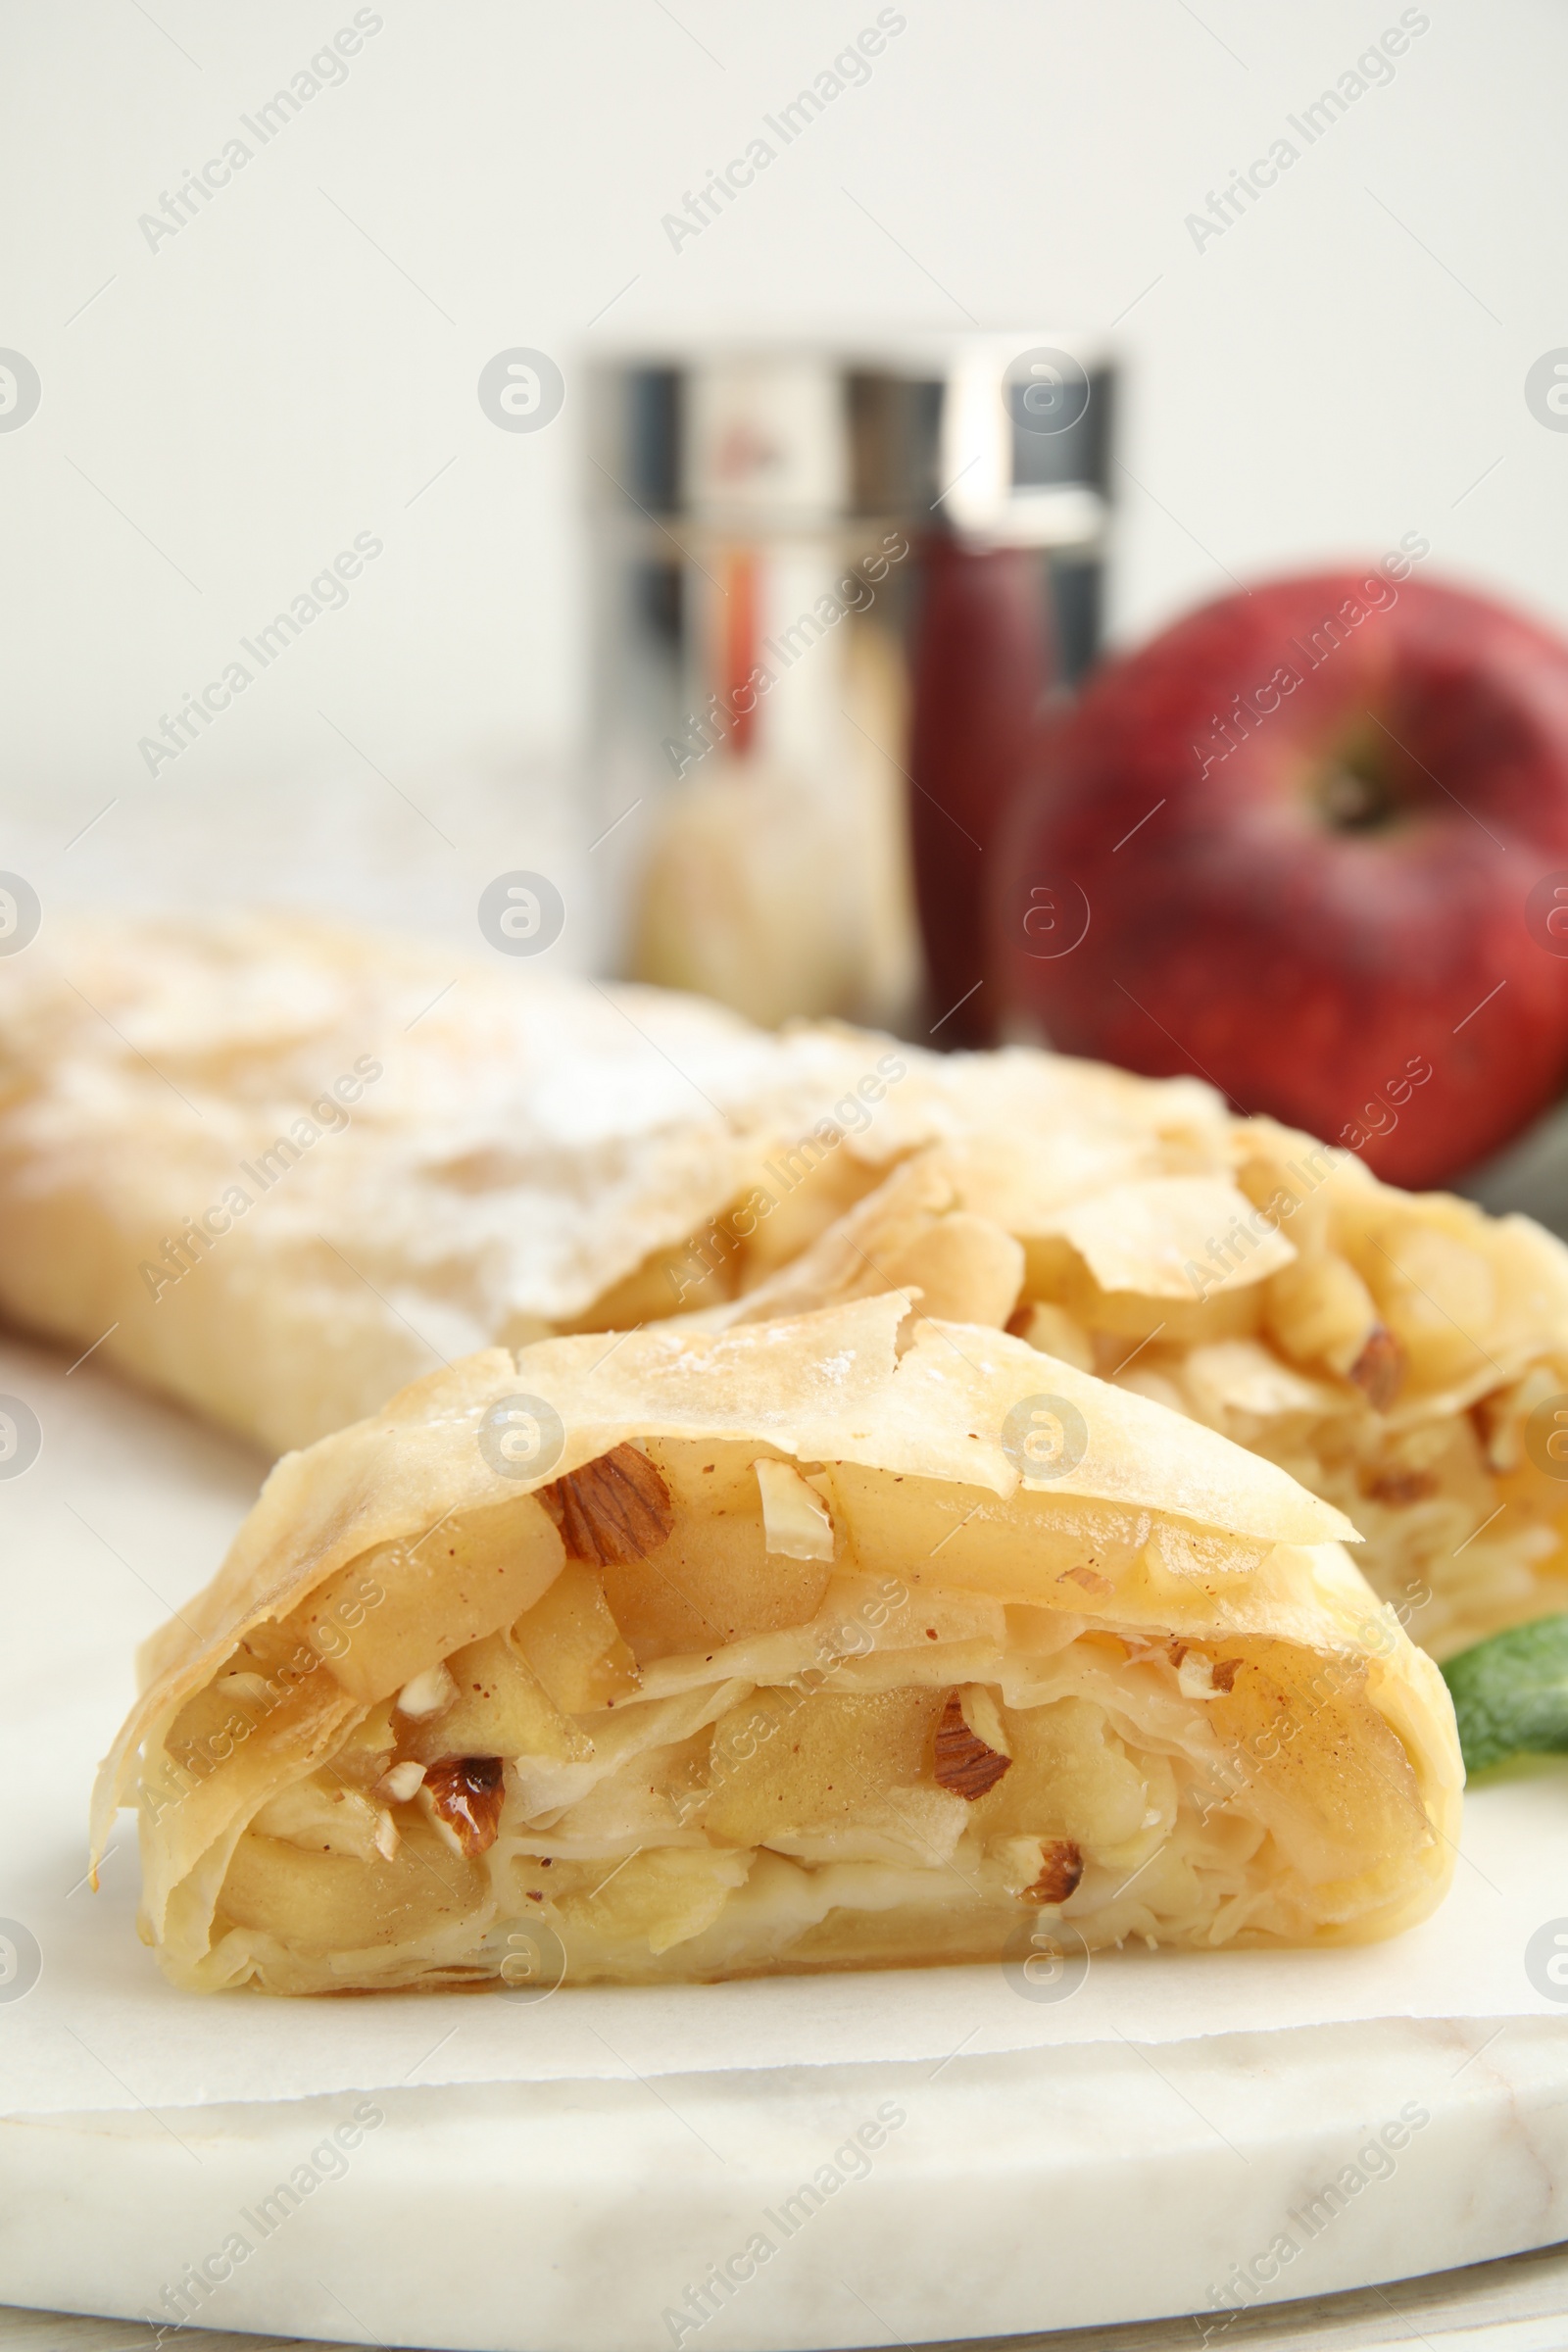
[832, 585]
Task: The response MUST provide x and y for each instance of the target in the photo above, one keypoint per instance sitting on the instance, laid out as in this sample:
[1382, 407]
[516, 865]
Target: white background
[1345, 364]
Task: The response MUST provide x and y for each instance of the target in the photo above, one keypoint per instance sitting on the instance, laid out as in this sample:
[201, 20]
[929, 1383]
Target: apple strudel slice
[279, 1168]
[846, 1641]
[1404, 1355]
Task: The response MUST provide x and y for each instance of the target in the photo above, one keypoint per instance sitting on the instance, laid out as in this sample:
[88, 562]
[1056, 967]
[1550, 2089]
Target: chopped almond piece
[1379, 1368]
[465, 1793]
[797, 1524]
[1195, 1675]
[965, 1765]
[1200, 1676]
[1061, 1865]
[427, 1694]
[1400, 1486]
[616, 1508]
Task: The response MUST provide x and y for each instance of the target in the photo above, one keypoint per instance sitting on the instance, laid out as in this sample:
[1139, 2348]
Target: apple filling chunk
[832, 1775]
[712, 1580]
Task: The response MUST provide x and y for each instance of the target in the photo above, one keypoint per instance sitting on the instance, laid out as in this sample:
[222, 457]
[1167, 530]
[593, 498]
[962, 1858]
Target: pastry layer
[280, 1169]
[774, 1659]
[1388, 1349]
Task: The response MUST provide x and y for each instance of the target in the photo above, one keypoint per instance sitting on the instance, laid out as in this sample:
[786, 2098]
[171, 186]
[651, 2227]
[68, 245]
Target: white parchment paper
[127, 1512]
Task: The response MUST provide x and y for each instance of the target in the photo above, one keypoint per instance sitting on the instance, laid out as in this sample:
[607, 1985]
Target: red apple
[1310, 844]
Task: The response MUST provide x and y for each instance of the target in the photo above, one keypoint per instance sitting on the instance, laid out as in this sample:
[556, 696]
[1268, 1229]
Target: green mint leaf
[1510, 1693]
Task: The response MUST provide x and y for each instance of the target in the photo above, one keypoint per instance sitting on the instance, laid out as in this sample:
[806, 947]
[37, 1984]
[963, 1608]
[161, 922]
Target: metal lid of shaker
[1003, 439]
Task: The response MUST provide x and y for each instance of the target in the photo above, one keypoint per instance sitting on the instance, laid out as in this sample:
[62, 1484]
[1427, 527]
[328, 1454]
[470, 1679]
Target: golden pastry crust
[1140, 1691]
[1386, 1347]
[280, 1169]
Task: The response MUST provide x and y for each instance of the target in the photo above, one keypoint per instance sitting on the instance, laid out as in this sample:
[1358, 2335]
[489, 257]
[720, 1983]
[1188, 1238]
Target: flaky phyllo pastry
[697, 1655]
[1403, 1355]
[280, 1169]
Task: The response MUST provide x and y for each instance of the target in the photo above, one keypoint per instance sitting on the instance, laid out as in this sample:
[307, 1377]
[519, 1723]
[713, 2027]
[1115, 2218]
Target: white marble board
[632, 2170]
